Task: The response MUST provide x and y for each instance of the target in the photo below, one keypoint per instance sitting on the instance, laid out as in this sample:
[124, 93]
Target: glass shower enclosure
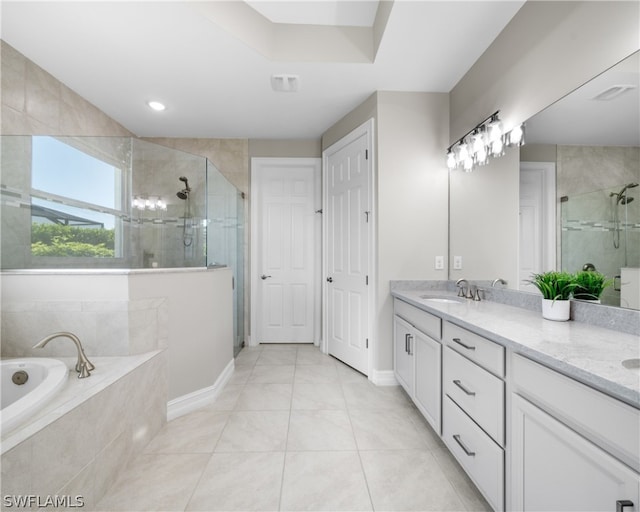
[117, 202]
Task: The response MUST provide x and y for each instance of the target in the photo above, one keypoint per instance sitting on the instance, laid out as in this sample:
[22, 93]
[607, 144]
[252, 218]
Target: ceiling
[581, 119]
[204, 65]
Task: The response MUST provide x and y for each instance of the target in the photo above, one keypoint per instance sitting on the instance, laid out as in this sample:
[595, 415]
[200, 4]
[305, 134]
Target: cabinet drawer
[421, 320]
[476, 391]
[482, 459]
[607, 422]
[486, 353]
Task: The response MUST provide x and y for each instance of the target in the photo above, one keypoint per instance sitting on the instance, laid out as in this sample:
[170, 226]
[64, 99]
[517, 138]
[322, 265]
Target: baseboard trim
[383, 378]
[190, 402]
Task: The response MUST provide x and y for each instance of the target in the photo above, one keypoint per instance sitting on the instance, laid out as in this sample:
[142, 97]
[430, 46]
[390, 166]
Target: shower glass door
[225, 240]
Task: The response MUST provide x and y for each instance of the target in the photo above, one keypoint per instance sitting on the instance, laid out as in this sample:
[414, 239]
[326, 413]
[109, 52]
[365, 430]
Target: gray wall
[411, 195]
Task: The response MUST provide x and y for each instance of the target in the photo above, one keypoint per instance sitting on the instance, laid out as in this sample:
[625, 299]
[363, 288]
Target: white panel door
[537, 249]
[348, 221]
[285, 250]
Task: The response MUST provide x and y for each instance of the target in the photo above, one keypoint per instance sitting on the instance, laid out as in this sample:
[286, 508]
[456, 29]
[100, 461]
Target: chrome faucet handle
[461, 289]
[476, 296]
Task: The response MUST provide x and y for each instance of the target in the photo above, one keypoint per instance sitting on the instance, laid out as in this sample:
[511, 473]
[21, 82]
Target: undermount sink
[444, 300]
[632, 364]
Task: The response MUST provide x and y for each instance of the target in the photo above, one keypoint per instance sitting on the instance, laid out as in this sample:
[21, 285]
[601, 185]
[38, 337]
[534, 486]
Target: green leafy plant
[554, 285]
[590, 284]
[71, 241]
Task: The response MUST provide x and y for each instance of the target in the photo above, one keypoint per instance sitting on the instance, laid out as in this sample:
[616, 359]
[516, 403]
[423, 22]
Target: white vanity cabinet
[572, 448]
[474, 408]
[417, 359]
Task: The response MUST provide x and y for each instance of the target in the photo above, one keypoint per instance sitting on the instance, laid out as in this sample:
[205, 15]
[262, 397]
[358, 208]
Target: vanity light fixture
[156, 105]
[487, 139]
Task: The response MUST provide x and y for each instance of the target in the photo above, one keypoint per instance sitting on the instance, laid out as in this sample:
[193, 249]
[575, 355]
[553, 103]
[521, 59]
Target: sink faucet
[496, 281]
[461, 290]
[83, 366]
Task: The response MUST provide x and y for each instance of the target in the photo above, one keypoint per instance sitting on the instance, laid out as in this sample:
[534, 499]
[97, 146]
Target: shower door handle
[263, 277]
[617, 283]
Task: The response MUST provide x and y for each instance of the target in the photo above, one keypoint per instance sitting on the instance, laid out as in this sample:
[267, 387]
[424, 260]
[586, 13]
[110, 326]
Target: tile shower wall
[83, 451]
[586, 175]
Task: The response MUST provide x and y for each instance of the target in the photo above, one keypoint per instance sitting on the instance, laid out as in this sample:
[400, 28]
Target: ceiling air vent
[613, 92]
[285, 83]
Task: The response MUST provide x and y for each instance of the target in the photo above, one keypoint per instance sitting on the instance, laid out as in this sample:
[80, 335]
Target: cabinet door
[428, 396]
[404, 343]
[556, 469]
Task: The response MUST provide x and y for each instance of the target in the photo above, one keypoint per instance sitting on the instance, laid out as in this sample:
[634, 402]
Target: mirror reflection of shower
[619, 199]
[187, 225]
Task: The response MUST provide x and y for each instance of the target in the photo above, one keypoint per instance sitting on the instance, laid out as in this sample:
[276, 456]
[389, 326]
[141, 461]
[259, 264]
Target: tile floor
[296, 430]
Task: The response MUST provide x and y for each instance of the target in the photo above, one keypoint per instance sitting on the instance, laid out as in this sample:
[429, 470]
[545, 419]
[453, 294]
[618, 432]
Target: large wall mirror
[575, 201]
[590, 217]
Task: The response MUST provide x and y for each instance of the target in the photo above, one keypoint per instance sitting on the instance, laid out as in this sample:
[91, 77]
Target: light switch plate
[457, 262]
[439, 263]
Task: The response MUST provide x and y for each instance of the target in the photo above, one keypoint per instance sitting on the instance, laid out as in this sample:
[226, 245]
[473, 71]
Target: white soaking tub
[27, 385]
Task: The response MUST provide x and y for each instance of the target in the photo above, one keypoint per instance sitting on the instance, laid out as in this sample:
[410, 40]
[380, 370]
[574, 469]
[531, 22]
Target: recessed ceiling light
[156, 105]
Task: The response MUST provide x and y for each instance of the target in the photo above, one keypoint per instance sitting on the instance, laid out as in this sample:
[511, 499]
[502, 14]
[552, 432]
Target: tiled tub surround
[105, 327]
[79, 442]
[589, 354]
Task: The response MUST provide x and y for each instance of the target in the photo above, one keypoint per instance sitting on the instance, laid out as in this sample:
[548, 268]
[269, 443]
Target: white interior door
[537, 220]
[285, 252]
[348, 221]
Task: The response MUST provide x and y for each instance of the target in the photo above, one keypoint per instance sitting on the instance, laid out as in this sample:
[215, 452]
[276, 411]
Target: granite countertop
[589, 354]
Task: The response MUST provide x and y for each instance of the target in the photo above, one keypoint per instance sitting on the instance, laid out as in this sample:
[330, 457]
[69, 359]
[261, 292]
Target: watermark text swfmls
[35, 500]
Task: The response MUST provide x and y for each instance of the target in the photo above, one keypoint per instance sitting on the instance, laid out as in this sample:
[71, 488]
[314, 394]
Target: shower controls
[263, 277]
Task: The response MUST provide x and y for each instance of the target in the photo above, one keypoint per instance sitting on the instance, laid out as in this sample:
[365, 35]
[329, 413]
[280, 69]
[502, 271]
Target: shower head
[621, 197]
[184, 193]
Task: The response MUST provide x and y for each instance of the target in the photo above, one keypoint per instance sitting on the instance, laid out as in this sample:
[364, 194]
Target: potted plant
[590, 284]
[556, 288]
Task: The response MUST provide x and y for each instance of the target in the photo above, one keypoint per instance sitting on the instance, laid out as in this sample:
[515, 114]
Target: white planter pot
[557, 310]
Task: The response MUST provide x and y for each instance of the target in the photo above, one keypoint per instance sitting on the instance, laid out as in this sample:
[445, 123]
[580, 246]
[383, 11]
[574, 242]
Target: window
[76, 199]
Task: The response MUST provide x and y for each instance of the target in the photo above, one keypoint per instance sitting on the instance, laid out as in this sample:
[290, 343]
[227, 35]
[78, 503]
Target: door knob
[263, 277]
[329, 279]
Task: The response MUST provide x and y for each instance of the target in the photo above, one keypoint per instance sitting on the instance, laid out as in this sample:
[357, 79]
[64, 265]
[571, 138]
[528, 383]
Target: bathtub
[44, 378]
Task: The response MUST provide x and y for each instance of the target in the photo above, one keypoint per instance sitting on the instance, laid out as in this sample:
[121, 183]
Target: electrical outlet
[439, 263]
[457, 262]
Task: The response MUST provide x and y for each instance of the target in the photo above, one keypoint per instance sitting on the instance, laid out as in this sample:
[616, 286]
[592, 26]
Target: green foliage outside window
[59, 240]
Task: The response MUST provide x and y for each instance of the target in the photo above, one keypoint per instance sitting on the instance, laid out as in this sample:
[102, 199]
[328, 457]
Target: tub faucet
[83, 366]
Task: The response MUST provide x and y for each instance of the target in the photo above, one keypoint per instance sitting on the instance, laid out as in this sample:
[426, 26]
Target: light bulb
[478, 142]
[497, 147]
[482, 156]
[494, 129]
[451, 160]
[516, 136]
[468, 164]
[463, 152]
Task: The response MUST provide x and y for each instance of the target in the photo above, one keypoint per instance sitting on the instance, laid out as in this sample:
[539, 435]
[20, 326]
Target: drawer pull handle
[466, 391]
[459, 342]
[456, 437]
[406, 342]
[622, 504]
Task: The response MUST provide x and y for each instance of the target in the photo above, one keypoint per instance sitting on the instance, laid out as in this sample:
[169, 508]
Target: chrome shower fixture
[621, 197]
[184, 193]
